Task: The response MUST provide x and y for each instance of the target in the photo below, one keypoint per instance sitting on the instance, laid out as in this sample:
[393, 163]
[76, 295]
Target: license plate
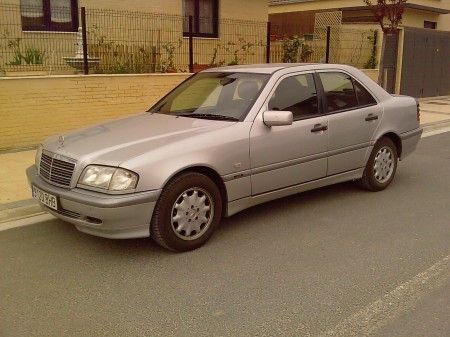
[47, 199]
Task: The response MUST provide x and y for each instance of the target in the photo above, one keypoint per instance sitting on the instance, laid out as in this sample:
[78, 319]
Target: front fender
[225, 151]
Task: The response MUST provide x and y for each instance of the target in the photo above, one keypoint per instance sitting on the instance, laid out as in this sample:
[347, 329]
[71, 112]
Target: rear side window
[297, 94]
[339, 91]
[364, 97]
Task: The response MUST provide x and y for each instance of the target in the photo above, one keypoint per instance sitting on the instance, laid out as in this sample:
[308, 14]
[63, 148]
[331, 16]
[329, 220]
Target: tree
[388, 13]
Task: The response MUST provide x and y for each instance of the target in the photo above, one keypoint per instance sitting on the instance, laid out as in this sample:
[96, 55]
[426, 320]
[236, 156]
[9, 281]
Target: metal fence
[346, 44]
[24, 50]
[110, 41]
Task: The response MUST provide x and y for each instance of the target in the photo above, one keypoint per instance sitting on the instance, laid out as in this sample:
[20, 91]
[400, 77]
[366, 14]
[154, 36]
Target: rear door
[353, 116]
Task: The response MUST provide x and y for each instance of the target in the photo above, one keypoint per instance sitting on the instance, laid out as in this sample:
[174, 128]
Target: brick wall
[33, 108]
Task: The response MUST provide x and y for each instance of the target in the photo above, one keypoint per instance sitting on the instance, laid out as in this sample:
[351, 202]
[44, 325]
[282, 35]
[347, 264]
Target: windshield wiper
[210, 116]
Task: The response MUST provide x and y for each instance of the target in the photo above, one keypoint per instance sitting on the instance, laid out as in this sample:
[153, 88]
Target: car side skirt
[247, 202]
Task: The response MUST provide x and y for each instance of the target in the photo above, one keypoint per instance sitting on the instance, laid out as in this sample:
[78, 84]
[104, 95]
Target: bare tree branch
[388, 13]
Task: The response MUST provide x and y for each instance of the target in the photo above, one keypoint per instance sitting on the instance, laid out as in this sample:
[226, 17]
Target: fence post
[268, 43]
[84, 36]
[191, 45]
[327, 50]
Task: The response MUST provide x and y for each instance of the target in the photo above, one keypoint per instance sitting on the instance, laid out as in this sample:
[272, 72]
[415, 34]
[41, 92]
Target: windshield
[224, 96]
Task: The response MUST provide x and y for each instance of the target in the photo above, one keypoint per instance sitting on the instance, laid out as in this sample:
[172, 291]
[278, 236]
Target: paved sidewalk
[13, 181]
[15, 193]
[434, 110]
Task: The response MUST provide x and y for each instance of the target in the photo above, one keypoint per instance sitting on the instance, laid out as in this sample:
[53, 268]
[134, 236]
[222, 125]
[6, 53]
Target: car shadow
[231, 228]
[293, 203]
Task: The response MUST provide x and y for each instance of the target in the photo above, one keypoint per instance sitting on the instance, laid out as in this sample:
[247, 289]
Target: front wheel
[381, 166]
[187, 212]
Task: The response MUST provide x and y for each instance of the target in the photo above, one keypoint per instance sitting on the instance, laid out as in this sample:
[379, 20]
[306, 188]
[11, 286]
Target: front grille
[66, 213]
[56, 170]
[77, 216]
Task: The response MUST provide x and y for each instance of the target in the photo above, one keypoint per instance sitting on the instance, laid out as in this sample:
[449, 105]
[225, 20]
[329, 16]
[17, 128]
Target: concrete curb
[19, 210]
[436, 125]
[426, 99]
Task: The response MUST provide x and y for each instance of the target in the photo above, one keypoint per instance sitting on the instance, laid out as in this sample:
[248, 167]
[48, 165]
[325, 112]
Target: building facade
[433, 14]
[130, 36]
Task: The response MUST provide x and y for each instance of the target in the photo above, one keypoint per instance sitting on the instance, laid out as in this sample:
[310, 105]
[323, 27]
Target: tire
[187, 212]
[381, 166]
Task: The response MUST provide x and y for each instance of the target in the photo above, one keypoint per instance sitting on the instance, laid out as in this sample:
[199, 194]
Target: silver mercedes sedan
[224, 140]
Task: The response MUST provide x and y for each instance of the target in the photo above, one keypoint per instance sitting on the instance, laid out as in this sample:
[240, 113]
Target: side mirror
[277, 118]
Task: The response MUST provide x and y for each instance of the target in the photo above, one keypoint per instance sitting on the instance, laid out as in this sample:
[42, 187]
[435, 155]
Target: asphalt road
[337, 261]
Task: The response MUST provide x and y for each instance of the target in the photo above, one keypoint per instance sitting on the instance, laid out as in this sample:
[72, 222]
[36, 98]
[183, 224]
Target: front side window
[297, 94]
[205, 17]
[49, 15]
[339, 91]
[226, 96]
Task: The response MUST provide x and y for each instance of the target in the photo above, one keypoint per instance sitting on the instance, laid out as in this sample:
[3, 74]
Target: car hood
[114, 142]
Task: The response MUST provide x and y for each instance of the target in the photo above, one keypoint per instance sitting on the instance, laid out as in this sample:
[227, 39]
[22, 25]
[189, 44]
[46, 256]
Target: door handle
[371, 117]
[319, 127]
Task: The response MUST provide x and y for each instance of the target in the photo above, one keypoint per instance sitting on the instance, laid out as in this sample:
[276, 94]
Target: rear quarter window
[363, 96]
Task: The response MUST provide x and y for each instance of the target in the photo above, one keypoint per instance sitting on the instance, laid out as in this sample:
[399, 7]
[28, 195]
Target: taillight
[418, 112]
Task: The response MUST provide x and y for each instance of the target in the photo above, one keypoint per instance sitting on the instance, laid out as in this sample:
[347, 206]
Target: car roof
[286, 68]
[262, 68]
[270, 68]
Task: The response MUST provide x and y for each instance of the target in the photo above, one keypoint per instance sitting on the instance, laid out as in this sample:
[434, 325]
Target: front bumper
[110, 216]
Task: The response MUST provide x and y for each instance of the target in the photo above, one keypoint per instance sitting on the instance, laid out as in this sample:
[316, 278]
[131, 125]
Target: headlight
[108, 178]
[37, 158]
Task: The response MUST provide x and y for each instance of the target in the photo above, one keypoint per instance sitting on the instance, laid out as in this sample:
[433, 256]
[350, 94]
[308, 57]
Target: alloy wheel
[192, 213]
[383, 166]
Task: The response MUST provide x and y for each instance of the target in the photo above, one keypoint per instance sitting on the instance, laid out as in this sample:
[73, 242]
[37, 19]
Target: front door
[283, 156]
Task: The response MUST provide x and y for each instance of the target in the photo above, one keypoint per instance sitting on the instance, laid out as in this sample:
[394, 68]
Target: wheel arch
[395, 139]
[210, 173]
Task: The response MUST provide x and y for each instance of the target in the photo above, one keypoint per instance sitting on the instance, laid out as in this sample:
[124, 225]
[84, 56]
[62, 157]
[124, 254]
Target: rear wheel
[381, 166]
[187, 212]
